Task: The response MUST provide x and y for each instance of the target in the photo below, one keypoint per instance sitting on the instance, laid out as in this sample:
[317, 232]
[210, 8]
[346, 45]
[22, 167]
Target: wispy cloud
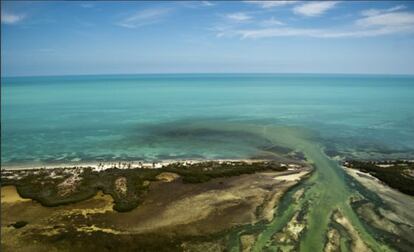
[385, 22]
[315, 33]
[87, 5]
[271, 22]
[207, 3]
[393, 19]
[145, 17]
[274, 32]
[372, 12]
[238, 17]
[270, 4]
[11, 18]
[196, 4]
[389, 20]
[313, 9]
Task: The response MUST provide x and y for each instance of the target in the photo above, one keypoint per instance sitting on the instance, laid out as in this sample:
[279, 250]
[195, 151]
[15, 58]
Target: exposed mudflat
[173, 215]
[391, 213]
[402, 204]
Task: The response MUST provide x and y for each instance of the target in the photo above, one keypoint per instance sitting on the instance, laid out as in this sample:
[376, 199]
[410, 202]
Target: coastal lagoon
[326, 118]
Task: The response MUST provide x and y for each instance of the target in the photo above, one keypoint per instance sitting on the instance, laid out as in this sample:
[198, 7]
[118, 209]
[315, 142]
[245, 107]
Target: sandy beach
[98, 166]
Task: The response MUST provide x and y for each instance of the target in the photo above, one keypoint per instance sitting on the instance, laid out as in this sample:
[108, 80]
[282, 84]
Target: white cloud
[315, 33]
[371, 24]
[395, 8]
[274, 32]
[144, 17]
[372, 12]
[271, 22]
[11, 18]
[388, 19]
[270, 4]
[207, 3]
[313, 9]
[238, 17]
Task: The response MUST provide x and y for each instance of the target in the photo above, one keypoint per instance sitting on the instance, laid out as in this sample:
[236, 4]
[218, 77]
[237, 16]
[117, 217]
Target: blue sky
[63, 38]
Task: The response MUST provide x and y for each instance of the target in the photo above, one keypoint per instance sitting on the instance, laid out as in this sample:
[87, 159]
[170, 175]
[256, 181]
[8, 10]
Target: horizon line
[207, 73]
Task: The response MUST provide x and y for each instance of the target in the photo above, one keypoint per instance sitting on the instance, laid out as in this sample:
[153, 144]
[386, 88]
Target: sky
[74, 37]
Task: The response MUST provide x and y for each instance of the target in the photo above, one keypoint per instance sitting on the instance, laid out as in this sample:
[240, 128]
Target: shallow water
[63, 119]
[94, 118]
[326, 191]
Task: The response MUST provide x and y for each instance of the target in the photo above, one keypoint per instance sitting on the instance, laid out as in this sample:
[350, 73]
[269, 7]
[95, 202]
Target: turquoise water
[93, 118]
[88, 118]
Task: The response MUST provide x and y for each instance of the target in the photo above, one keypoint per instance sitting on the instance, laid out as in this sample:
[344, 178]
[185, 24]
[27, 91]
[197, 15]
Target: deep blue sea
[72, 119]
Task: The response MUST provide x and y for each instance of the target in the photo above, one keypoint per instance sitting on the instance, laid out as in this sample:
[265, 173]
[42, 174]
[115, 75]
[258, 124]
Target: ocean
[78, 119]
[72, 119]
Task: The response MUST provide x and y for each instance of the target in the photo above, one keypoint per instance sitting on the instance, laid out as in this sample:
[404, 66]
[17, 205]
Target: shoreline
[397, 174]
[156, 164]
[72, 184]
[195, 213]
[141, 164]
